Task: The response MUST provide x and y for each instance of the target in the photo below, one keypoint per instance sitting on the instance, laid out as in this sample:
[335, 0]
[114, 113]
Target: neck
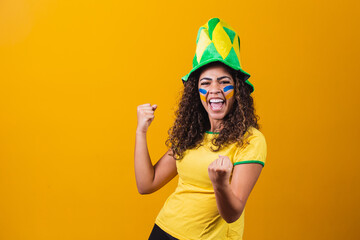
[215, 125]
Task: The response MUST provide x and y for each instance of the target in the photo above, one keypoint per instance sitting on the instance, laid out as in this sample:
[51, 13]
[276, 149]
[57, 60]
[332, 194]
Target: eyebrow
[219, 78]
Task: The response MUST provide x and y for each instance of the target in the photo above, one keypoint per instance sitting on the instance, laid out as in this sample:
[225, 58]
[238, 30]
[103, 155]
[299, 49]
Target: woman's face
[216, 88]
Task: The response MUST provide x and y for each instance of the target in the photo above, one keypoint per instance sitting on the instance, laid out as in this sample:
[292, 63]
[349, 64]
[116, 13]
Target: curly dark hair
[192, 120]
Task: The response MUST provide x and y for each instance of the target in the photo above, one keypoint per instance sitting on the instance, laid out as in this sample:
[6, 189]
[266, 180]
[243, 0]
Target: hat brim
[246, 75]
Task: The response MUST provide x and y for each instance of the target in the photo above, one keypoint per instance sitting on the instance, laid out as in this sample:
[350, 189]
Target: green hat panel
[230, 33]
[212, 23]
[210, 53]
[217, 41]
[232, 58]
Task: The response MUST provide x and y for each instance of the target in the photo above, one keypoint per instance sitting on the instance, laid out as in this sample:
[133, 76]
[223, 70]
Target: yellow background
[73, 72]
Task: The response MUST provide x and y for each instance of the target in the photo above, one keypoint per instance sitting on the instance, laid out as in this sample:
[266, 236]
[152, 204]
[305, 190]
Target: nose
[214, 88]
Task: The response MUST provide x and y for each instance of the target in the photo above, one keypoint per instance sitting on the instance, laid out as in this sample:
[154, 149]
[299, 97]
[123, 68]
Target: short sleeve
[253, 152]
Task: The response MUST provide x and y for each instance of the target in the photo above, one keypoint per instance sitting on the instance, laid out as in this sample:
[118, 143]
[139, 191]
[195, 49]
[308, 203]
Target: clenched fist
[220, 171]
[145, 115]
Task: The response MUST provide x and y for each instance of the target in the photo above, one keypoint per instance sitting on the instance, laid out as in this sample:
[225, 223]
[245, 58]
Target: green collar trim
[212, 132]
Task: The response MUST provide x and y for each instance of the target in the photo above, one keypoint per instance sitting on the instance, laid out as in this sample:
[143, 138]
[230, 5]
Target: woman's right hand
[145, 115]
[150, 178]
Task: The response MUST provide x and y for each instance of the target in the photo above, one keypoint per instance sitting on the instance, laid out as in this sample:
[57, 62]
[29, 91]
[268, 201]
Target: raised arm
[150, 178]
[231, 197]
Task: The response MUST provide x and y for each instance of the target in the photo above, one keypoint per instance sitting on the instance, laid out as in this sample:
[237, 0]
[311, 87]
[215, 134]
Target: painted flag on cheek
[229, 91]
[202, 94]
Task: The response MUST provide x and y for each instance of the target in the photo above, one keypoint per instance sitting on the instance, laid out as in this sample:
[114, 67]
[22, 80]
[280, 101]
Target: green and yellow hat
[217, 41]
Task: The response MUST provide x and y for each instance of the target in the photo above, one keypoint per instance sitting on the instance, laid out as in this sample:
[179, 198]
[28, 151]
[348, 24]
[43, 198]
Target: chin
[217, 116]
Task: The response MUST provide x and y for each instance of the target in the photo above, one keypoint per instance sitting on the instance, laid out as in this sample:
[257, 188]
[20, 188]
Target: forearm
[230, 207]
[144, 170]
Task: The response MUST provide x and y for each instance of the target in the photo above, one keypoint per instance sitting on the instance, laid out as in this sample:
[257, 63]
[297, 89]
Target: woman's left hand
[220, 171]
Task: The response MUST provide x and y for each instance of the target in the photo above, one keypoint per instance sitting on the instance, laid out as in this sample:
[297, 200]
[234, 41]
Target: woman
[214, 145]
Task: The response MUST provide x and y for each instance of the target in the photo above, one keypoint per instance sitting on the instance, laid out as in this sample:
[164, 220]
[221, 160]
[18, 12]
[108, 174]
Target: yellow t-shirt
[191, 213]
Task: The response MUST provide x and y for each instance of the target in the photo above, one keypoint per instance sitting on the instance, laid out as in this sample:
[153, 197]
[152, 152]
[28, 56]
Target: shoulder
[254, 135]
[254, 148]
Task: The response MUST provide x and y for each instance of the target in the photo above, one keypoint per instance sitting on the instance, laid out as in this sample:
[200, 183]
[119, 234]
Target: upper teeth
[216, 100]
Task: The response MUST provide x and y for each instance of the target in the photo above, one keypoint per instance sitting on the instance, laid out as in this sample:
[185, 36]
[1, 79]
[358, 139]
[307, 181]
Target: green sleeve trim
[250, 161]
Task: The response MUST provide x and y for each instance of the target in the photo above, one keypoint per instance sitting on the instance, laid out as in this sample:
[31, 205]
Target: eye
[225, 82]
[204, 83]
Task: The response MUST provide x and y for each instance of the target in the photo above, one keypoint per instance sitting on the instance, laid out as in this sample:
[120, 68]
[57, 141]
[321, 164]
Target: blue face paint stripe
[202, 91]
[227, 88]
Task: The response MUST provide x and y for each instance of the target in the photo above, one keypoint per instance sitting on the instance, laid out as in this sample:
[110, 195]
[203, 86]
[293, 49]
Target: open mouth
[216, 104]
